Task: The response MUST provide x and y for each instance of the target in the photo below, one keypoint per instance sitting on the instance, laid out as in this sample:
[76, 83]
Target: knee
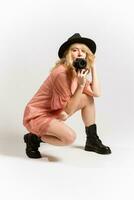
[69, 138]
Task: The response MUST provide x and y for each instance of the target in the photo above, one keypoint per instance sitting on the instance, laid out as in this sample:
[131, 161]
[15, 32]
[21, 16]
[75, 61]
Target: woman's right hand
[81, 75]
[63, 116]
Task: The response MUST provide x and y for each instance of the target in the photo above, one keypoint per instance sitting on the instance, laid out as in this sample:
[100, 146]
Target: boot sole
[35, 156]
[96, 151]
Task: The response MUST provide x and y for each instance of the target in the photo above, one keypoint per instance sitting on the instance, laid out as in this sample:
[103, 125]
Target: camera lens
[79, 63]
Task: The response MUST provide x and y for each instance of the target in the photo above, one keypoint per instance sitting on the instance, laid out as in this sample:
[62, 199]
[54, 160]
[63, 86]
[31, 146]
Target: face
[77, 52]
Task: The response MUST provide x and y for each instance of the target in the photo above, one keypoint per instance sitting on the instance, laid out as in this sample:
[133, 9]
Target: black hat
[76, 38]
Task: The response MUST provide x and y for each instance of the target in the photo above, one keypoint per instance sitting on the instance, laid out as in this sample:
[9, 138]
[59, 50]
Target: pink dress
[51, 98]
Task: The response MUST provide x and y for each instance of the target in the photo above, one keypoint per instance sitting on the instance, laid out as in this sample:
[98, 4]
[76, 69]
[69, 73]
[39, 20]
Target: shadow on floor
[14, 146]
[77, 147]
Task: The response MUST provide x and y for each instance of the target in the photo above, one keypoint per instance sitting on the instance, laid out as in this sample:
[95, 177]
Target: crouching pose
[65, 91]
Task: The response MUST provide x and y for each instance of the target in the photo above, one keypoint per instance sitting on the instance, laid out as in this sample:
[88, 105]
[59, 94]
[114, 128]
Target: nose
[79, 53]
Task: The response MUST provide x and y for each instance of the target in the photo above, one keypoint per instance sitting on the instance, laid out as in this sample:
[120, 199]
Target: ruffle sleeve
[87, 89]
[61, 92]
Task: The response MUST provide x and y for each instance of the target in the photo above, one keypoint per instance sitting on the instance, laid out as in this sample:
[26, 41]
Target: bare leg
[88, 111]
[87, 108]
[59, 134]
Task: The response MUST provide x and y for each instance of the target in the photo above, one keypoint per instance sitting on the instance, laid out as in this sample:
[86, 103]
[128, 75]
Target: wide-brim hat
[76, 38]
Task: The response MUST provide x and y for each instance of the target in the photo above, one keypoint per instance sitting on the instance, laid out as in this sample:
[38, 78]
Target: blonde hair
[67, 60]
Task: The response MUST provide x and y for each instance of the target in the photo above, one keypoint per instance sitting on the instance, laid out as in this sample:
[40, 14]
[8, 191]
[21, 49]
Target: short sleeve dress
[51, 99]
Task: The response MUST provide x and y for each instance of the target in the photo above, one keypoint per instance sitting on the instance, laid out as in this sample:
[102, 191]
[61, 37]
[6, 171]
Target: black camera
[79, 64]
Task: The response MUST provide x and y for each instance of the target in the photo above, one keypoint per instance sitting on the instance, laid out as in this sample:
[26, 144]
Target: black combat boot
[32, 144]
[93, 143]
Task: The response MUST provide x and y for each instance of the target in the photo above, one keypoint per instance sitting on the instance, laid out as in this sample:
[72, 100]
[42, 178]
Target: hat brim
[88, 42]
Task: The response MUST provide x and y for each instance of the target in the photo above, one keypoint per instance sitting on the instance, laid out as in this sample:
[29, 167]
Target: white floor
[66, 173]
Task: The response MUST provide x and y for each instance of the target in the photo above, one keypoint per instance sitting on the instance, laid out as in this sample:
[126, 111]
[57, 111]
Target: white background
[31, 33]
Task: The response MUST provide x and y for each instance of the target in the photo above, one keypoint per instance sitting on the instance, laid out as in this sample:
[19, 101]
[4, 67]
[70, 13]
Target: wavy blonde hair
[67, 60]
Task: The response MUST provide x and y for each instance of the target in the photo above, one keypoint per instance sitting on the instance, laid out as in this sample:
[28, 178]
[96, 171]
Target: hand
[82, 77]
[63, 116]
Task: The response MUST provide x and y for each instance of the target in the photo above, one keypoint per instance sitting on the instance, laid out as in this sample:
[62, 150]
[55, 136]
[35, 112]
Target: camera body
[79, 64]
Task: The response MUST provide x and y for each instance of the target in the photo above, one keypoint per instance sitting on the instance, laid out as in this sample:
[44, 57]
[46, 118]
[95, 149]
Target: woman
[65, 91]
